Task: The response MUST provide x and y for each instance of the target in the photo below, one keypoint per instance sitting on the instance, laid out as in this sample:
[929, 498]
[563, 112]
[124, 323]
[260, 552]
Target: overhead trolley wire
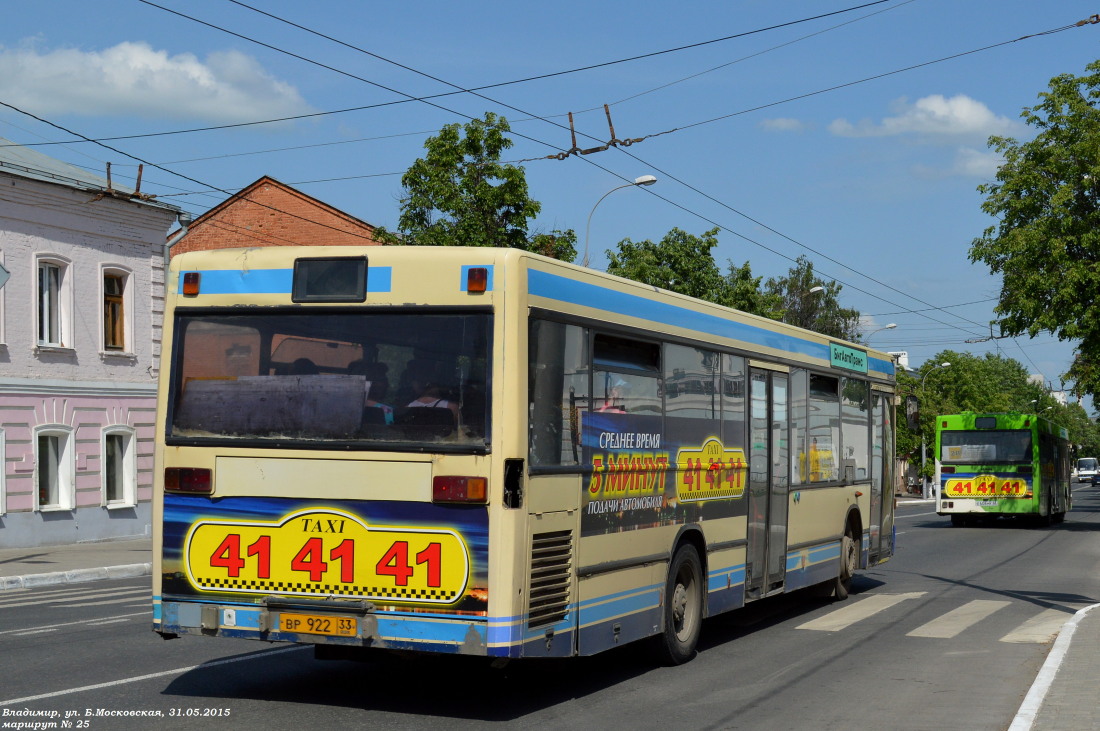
[458, 90]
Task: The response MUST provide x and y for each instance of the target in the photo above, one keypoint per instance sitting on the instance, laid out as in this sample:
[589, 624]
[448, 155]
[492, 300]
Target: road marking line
[108, 621]
[957, 620]
[34, 632]
[150, 676]
[857, 611]
[66, 624]
[1039, 629]
[120, 600]
[69, 597]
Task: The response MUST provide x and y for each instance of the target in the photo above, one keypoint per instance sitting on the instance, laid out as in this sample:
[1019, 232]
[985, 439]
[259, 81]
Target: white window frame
[129, 466]
[114, 270]
[2, 334]
[64, 304]
[3, 473]
[66, 467]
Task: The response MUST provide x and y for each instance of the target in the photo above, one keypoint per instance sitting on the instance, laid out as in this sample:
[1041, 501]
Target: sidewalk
[1062, 698]
[44, 565]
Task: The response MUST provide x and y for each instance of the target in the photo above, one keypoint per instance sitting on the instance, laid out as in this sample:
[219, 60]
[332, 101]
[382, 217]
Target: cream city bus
[489, 452]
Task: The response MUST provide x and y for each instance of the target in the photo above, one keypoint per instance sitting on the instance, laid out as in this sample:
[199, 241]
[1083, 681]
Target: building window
[114, 312]
[119, 467]
[54, 305]
[49, 304]
[54, 469]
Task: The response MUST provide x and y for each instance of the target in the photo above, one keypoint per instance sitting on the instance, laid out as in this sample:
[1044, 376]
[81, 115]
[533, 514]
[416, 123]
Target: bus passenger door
[766, 554]
[882, 479]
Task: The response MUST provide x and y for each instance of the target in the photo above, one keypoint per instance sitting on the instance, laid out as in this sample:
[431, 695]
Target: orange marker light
[191, 283]
[477, 279]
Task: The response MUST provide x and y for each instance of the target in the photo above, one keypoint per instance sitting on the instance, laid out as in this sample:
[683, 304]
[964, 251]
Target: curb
[75, 576]
[1033, 701]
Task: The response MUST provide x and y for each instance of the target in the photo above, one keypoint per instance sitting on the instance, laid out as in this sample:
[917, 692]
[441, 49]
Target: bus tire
[849, 562]
[683, 610]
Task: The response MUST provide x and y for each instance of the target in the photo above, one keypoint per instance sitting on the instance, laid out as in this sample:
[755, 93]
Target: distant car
[1087, 470]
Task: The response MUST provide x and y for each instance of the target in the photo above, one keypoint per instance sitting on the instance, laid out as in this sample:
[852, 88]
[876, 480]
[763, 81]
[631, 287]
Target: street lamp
[815, 290]
[642, 180]
[891, 326]
[923, 482]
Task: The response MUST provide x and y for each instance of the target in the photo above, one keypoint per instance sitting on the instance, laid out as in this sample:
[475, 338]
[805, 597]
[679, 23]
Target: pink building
[80, 322]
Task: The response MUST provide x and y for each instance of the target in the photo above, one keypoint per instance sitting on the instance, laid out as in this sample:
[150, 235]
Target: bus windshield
[359, 378]
[986, 447]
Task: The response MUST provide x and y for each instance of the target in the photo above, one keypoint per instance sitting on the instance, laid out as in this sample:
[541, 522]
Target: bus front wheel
[683, 610]
[849, 562]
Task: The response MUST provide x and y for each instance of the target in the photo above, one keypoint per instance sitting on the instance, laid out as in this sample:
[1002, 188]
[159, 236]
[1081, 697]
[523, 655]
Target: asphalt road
[948, 634]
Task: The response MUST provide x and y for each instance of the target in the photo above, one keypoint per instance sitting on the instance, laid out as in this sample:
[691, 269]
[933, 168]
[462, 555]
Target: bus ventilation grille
[551, 561]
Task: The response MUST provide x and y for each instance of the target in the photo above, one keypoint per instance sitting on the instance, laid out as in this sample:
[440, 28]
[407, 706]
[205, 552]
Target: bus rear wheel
[683, 610]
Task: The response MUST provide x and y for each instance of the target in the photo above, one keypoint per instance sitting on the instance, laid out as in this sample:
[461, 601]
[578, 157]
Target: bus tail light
[455, 489]
[191, 480]
[191, 283]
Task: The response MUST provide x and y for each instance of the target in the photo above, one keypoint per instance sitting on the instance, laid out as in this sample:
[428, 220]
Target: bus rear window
[359, 378]
[986, 447]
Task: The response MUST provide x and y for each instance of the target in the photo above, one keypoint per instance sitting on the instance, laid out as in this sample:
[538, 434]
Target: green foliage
[460, 194]
[682, 262]
[818, 311]
[1046, 242]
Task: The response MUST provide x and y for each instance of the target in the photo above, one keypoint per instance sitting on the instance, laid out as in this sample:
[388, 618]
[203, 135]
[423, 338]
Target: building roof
[25, 162]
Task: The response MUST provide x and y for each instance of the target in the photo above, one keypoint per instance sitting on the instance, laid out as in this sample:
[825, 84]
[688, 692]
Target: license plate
[987, 503]
[317, 624]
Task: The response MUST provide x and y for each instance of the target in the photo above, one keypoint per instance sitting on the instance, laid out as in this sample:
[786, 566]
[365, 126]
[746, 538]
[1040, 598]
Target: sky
[852, 132]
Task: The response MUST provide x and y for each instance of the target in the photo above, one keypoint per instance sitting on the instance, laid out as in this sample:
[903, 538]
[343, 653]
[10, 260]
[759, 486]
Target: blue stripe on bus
[563, 289]
[726, 578]
[271, 281]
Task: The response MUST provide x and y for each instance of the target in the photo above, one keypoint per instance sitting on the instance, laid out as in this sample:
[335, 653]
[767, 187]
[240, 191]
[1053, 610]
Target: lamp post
[891, 326]
[923, 482]
[641, 180]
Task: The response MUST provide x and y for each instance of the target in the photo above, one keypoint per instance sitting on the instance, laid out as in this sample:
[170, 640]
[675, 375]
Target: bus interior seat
[426, 422]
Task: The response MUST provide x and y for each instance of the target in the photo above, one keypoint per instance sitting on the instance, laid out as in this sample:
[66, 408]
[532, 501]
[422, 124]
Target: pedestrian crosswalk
[1041, 626]
[69, 596]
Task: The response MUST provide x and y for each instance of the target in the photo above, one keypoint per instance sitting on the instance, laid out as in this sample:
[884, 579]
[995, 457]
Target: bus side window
[557, 392]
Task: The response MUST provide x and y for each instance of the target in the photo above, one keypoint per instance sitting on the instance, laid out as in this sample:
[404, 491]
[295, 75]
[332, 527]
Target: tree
[1046, 242]
[460, 194]
[682, 262]
[818, 311]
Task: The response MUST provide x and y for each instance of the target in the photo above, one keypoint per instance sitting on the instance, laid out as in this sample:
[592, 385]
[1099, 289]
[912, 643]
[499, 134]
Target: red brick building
[270, 213]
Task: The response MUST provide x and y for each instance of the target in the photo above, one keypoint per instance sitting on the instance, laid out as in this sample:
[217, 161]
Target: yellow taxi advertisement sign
[710, 472]
[986, 486]
[325, 552]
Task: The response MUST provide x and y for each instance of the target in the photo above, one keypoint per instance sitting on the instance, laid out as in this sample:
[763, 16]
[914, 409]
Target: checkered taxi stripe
[290, 587]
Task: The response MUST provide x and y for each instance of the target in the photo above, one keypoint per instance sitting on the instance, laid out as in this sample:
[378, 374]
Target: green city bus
[1001, 465]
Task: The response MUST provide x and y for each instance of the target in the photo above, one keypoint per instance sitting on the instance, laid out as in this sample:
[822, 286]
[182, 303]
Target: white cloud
[784, 124]
[133, 79]
[967, 163]
[932, 117]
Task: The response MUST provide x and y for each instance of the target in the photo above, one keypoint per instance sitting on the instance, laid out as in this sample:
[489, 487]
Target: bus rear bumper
[382, 630]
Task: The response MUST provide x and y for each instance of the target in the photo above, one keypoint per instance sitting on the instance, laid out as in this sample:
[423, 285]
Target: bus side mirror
[912, 413]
